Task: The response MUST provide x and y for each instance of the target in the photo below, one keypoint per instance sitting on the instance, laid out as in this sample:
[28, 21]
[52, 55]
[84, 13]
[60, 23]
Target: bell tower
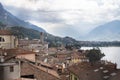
[42, 37]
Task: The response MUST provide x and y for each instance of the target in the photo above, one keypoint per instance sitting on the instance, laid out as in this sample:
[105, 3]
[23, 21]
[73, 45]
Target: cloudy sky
[65, 17]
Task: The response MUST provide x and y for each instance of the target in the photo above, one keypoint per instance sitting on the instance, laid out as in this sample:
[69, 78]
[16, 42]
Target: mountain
[107, 32]
[22, 32]
[10, 20]
[24, 29]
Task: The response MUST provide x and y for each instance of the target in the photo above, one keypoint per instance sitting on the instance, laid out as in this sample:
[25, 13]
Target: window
[2, 39]
[75, 78]
[11, 69]
[71, 77]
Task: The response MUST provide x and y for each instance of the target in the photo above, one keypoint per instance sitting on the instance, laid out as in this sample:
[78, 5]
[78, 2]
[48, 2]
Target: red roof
[91, 72]
[5, 32]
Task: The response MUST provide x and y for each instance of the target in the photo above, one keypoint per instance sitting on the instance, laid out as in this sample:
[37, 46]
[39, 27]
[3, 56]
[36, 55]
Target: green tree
[2, 26]
[94, 55]
[69, 46]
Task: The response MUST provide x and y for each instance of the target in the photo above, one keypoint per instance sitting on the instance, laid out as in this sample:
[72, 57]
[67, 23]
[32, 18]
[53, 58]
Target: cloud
[62, 17]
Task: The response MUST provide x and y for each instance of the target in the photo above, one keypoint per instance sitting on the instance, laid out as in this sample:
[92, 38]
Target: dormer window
[2, 39]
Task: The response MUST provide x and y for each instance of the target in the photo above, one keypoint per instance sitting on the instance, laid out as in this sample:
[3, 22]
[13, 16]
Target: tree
[77, 46]
[94, 55]
[69, 46]
[2, 26]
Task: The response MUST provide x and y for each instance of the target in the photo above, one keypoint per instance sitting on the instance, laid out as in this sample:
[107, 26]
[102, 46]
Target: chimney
[42, 37]
[115, 67]
[1, 59]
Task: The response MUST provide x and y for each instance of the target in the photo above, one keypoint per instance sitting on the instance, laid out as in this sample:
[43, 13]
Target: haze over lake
[111, 54]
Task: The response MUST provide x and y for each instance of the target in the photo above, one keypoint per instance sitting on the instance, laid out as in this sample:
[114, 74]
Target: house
[78, 57]
[21, 54]
[35, 44]
[19, 65]
[61, 56]
[8, 40]
[52, 50]
[25, 79]
[75, 58]
[98, 71]
[29, 55]
[9, 70]
[38, 72]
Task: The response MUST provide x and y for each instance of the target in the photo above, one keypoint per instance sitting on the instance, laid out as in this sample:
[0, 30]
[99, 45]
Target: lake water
[111, 54]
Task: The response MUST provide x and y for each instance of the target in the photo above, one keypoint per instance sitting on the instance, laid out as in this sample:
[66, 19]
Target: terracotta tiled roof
[18, 51]
[49, 71]
[26, 69]
[25, 79]
[5, 32]
[87, 71]
[84, 70]
[45, 64]
[14, 52]
[39, 72]
[75, 55]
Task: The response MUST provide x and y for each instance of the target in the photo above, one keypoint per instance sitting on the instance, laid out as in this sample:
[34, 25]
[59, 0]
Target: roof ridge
[48, 70]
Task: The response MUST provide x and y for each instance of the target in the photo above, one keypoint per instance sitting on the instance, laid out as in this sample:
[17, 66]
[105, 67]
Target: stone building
[20, 54]
[35, 44]
[8, 70]
[7, 40]
[78, 57]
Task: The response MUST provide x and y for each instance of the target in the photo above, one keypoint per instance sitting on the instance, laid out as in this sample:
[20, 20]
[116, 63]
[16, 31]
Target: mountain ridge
[11, 20]
[106, 32]
[23, 29]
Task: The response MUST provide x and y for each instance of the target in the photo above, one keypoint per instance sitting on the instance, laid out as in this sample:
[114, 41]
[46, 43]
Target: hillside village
[24, 59]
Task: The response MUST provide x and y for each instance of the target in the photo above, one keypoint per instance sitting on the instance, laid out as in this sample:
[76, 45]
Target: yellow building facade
[73, 77]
